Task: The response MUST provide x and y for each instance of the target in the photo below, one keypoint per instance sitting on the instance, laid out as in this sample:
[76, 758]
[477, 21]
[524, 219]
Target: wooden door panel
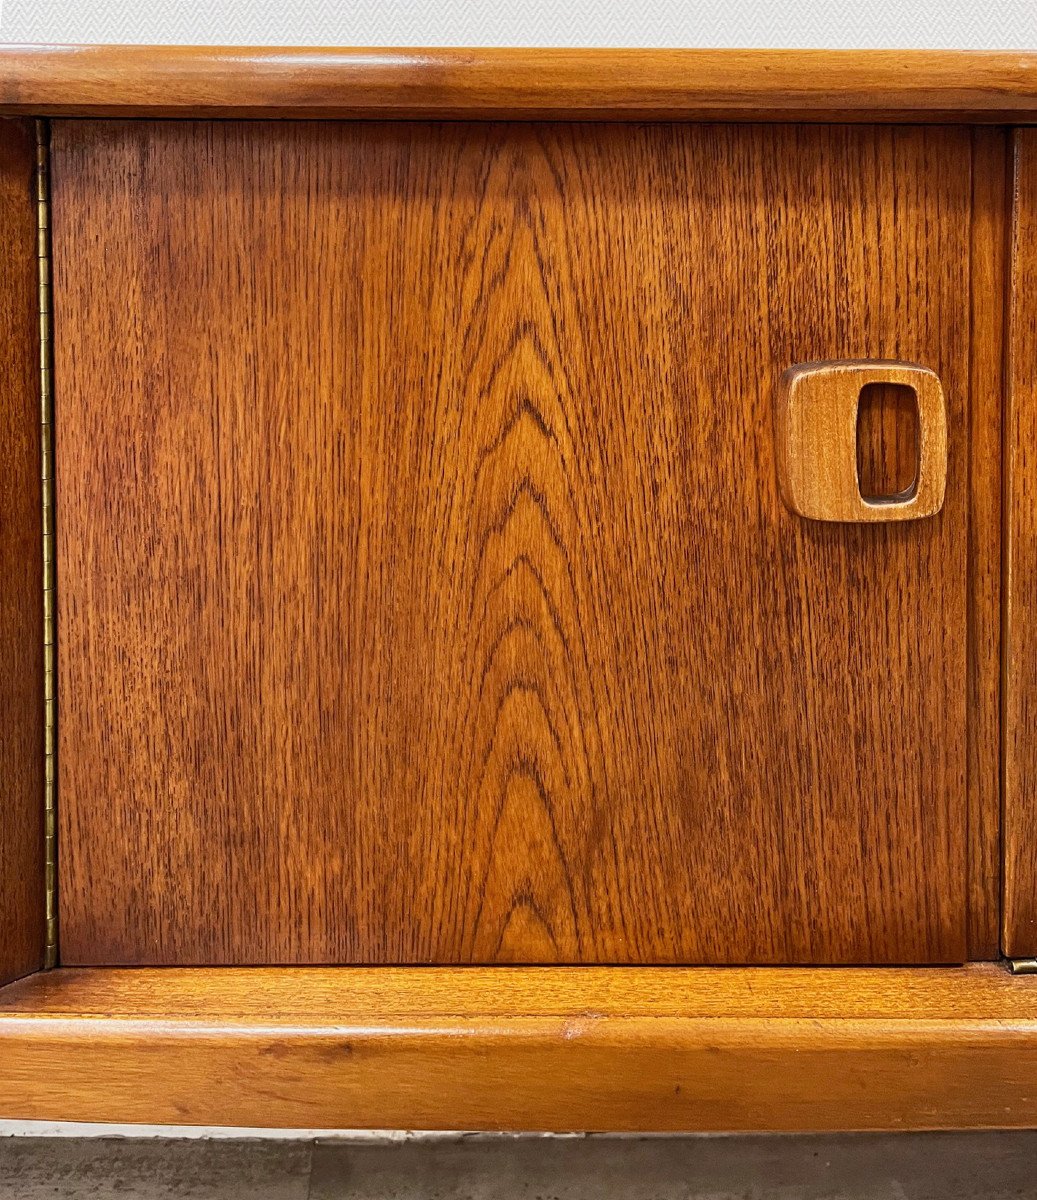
[1020, 676]
[23, 916]
[425, 590]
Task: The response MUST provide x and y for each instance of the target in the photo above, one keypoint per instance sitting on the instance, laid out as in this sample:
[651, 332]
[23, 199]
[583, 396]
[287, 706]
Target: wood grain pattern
[887, 440]
[1020, 629]
[990, 222]
[426, 592]
[785, 85]
[391, 996]
[817, 441]
[525, 1048]
[22, 931]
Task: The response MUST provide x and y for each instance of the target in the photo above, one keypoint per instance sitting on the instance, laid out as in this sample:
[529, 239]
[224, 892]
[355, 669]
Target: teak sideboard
[518, 588]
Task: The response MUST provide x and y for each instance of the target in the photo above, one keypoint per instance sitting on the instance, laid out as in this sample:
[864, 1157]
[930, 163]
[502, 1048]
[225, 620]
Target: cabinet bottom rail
[524, 1049]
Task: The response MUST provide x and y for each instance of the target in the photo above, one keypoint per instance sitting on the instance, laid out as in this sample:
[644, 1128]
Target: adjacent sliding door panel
[22, 890]
[1020, 652]
[426, 591]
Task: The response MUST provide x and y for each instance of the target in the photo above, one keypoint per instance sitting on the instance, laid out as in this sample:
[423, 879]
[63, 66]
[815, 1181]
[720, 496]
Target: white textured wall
[856, 24]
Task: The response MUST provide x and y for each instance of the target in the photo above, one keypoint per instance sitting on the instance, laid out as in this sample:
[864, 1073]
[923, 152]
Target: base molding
[554, 1049]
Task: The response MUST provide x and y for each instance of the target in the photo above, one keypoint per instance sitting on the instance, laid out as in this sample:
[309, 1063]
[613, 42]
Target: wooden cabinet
[573, 545]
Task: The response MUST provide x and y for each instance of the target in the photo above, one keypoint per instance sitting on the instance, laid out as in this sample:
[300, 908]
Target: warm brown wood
[541, 1049]
[426, 594]
[990, 221]
[1020, 628]
[887, 440]
[819, 85]
[22, 932]
[817, 448]
[391, 996]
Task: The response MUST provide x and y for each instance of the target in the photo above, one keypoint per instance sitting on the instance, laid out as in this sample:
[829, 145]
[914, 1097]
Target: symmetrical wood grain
[22, 931]
[426, 594]
[525, 1048]
[1020, 649]
[786, 85]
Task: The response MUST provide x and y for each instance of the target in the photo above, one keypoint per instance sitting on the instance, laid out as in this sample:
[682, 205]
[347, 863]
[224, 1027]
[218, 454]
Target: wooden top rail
[693, 85]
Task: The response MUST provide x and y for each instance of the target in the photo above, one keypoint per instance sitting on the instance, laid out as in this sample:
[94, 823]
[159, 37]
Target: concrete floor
[860, 1167]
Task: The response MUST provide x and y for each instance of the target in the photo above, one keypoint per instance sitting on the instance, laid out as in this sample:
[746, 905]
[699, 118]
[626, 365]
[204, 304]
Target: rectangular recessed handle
[816, 430]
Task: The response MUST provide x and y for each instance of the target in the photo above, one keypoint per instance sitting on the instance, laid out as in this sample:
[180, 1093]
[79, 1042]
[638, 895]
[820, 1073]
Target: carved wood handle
[817, 441]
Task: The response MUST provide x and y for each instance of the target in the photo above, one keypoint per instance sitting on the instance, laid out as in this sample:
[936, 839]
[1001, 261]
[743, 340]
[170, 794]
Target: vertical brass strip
[47, 492]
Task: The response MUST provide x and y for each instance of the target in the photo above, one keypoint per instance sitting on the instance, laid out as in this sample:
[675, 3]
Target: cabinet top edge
[560, 84]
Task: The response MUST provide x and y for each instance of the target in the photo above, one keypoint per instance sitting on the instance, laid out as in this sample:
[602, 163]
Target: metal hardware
[1023, 966]
[47, 515]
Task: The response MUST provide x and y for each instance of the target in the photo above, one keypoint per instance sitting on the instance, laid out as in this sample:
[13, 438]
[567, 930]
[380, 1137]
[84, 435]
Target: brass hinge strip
[47, 493]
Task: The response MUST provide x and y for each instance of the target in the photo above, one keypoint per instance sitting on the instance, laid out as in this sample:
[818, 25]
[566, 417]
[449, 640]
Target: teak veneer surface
[22, 914]
[1020, 661]
[991, 200]
[785, 85]
[387, 996]
[523, 1048]
[426, 594]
